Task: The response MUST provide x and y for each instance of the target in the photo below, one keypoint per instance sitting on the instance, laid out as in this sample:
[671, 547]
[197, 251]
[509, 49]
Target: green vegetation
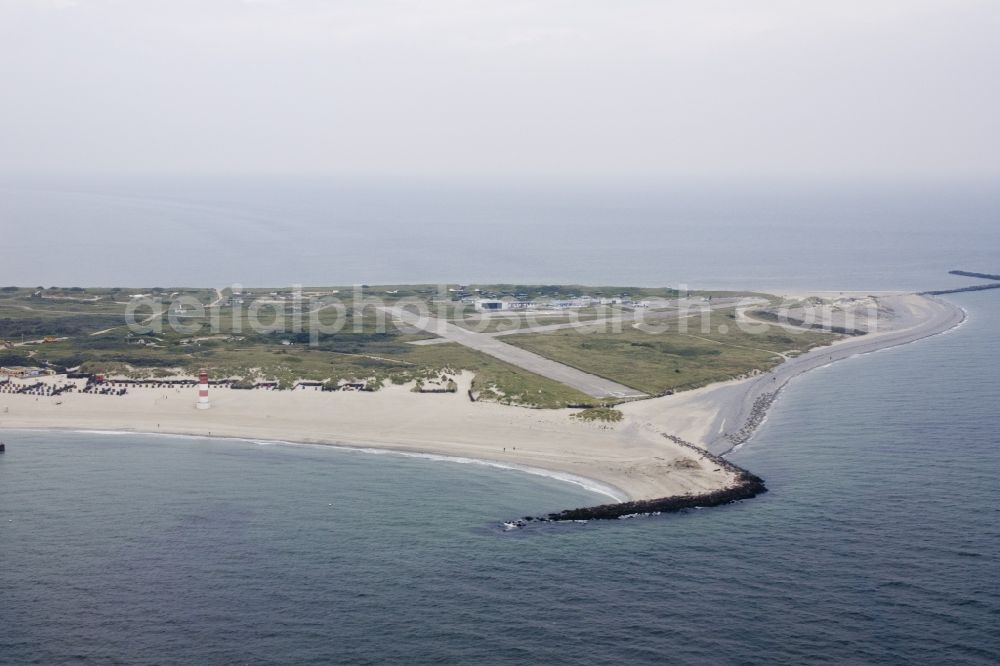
[602, 414]
[11, 358]
[530, 292]
[58, 326]
[769, 316]
[367, 347]
[39, 312]
[377, 358]
[657, 363]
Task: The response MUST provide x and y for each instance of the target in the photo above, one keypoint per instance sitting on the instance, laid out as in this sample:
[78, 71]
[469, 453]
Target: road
[634, 319]
[39, 341]
[592, 385]
[219, 298]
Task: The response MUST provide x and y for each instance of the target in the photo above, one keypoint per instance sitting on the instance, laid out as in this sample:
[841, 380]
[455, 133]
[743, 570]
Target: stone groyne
[975, 287]
[745, 486]
[981, 276]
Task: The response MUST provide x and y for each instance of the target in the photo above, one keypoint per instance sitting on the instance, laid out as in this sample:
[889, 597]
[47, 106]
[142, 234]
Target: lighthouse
[203, 389]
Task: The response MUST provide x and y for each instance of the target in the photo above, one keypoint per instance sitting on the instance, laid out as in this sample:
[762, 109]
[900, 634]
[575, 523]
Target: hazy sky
[508, 88]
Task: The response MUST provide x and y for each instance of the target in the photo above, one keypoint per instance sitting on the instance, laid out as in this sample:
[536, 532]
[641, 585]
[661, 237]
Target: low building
[486, 305]
[573, 303]
[23, 371]
[307, 386]
[495, 305]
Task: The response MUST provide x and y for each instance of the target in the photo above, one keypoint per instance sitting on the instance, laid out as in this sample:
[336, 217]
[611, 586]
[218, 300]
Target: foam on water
[588, 484]
[877, 543]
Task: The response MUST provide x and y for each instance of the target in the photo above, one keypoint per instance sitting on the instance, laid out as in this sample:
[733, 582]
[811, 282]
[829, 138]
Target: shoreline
[953, 316]
[728, 413]
[664, 456]
[748, 485]
[778, 393]
[444, 427]
[591, 485]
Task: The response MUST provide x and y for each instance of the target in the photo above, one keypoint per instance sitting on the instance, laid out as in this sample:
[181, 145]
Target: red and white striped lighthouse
[203, 389]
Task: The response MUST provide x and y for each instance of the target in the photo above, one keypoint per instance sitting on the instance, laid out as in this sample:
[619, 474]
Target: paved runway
[592, 385]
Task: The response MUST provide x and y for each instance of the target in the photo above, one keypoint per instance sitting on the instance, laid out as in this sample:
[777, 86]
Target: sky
[530, 90]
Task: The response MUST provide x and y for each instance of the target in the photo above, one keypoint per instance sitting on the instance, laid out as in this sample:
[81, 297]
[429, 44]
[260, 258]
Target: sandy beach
[393, 418]
[635, 459]
[721, 416]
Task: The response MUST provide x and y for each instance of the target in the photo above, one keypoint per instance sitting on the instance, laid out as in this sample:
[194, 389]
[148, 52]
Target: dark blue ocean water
[878, 543]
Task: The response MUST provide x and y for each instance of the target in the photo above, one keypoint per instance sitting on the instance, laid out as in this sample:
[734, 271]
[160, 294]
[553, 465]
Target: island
[635, 393]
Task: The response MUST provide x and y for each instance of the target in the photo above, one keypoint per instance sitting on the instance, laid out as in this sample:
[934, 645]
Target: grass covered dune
[650, 449]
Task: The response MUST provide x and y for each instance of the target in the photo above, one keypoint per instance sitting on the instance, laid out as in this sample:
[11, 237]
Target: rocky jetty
[976, 287]
[745, 486]
[971, 274]
[982, 276]
[757, 414]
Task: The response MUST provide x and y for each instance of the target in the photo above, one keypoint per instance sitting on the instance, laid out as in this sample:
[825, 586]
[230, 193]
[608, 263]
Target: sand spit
[651, 456]
[721, 416]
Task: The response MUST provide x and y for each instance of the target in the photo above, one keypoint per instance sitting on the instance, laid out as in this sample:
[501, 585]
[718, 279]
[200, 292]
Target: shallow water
[878, 542]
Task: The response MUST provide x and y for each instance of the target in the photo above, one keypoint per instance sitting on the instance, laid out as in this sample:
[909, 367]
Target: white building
[486, 305]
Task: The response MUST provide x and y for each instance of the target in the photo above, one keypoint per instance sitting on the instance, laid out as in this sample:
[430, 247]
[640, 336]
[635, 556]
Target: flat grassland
[687, 355]
[86, 330]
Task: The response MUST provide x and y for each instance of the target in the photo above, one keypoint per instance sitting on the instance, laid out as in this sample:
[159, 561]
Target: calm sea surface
[878, 543]
[274, 233]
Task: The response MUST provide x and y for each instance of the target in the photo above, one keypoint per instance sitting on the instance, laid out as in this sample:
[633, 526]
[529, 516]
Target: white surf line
[592, 485]
[890, 344]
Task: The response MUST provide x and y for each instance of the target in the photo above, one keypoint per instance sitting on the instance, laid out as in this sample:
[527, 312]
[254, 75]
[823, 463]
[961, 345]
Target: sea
[276, 232]
[878, 542]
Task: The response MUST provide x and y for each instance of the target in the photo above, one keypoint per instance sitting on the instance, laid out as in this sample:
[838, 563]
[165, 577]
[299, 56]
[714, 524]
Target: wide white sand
[632, 459]
[393, 418]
